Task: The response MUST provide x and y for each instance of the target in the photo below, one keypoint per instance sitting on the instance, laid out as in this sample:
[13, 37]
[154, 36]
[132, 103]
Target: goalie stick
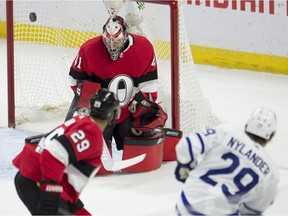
[113, 165]
[106, 159]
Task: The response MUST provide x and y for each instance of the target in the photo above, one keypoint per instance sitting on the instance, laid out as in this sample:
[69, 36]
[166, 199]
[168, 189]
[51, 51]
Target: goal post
[10, 63]
[43, 32]
[174, 45]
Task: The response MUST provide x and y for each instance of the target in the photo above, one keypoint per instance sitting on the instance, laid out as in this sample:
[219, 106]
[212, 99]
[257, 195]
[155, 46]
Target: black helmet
[105, 105]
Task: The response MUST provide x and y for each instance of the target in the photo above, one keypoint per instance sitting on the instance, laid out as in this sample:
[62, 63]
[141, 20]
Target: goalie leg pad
[151, 146]
[172, 137]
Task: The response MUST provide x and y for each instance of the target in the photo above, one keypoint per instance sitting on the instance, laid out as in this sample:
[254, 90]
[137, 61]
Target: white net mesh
[195, 110]
[41, 73]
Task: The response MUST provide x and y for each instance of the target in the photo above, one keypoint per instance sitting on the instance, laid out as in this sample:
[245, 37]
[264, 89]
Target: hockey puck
[32, 16]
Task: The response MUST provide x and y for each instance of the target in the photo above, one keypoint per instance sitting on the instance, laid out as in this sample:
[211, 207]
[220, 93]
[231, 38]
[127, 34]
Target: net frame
[180, 54]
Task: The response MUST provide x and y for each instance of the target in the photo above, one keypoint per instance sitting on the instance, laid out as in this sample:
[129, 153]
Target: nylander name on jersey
[243, 149]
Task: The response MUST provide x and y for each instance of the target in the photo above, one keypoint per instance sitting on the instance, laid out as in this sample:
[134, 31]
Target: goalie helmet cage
[40, 34]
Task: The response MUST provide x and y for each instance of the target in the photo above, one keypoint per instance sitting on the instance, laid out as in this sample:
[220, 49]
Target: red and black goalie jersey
[135, 69]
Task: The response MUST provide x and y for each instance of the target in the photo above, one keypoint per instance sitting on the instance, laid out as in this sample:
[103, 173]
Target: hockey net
[46, 44]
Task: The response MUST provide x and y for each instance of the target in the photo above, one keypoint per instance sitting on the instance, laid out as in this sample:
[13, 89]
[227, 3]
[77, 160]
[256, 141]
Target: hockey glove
[147, 114]
[49, 197]
[182, 171]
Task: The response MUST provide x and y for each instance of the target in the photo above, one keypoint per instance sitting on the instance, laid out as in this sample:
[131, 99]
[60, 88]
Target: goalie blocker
[151, 138]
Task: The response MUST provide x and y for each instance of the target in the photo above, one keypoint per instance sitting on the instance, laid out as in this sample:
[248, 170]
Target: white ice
[233, 94]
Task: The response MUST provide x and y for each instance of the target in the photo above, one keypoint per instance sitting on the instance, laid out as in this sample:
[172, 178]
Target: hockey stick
[113, 165]
[73, 107]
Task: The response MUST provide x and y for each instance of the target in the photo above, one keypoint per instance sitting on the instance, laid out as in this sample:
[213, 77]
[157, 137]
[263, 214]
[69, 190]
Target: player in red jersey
[54, 169]
[122, 62]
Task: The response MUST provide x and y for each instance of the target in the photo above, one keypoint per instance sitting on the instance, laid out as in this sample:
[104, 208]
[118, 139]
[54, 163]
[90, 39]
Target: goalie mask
[105, 105]
[262, 123]
[115, 36]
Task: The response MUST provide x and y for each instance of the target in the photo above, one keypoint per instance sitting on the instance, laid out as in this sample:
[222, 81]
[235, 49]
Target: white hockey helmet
[115, 36]
[262, 123]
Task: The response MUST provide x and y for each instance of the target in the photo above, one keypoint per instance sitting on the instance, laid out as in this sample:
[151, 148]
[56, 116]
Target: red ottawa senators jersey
[70, 155]
[135, 69]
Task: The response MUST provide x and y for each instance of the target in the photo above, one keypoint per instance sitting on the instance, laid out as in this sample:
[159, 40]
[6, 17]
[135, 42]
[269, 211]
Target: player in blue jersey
[226, 171]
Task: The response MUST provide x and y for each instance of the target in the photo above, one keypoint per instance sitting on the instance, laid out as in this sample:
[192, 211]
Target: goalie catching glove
[147, 114]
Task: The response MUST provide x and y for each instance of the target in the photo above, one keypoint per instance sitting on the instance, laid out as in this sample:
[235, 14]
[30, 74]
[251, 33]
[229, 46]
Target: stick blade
[129, 162]
[112, 165]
